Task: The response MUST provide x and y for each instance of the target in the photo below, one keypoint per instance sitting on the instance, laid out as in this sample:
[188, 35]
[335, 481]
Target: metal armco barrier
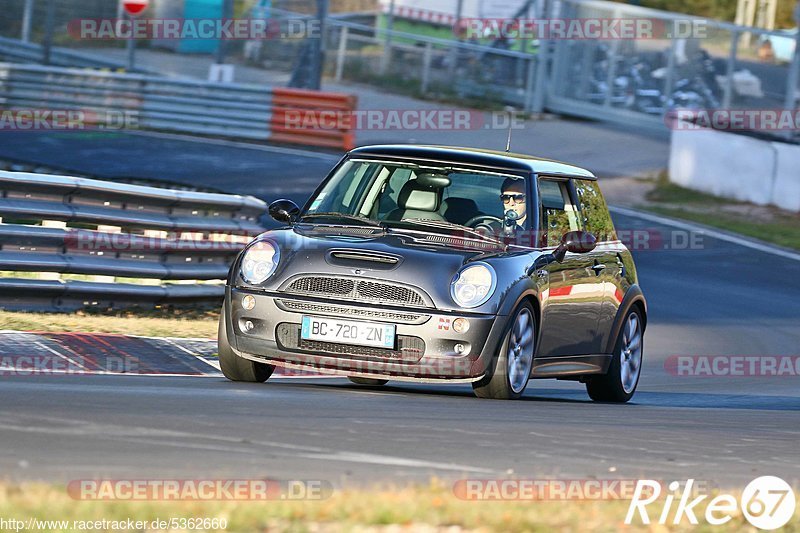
[128, 101]
[16, 50]
[70, 242]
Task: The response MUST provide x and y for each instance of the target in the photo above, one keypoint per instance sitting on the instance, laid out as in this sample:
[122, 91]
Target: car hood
[425, 260]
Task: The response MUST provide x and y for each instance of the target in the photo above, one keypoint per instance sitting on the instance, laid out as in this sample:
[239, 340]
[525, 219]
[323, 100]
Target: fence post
[426, 68]
[27, 18]
[794, 71]
[131, 46]
[669, 79]
[49, 24]
[728, 94]
[540, 83]
[387, 44]
[341, 53]
[530, 82]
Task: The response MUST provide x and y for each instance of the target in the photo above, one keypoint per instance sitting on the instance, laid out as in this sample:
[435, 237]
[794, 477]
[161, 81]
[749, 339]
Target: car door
[573, 298]
[607, 257]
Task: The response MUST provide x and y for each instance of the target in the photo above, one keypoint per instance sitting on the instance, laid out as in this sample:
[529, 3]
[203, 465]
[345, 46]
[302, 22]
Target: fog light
[248, 302]
[459, 348]
[248, 326]
[460, 325]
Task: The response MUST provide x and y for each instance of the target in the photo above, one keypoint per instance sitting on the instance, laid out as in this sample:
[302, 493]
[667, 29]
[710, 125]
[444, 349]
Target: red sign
[135, 7]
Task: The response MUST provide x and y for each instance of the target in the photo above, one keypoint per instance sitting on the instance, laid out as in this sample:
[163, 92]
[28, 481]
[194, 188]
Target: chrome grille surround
[357, 289]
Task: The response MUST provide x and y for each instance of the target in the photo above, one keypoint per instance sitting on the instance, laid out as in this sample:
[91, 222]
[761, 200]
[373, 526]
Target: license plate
[347, 332]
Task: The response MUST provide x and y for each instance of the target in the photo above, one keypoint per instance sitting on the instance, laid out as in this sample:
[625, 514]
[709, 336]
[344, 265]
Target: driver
[512, 194]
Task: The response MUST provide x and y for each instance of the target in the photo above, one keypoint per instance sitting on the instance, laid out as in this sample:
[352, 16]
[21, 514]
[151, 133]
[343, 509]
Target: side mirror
[576, 242]
[285, 211]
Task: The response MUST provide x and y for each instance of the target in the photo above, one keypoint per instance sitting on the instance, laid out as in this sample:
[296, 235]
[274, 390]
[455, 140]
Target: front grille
[357, 312]
[356, 289]
[409, 349]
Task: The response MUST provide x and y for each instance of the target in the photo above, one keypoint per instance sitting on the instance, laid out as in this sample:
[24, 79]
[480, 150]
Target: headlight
[473, 285]
[259, 262]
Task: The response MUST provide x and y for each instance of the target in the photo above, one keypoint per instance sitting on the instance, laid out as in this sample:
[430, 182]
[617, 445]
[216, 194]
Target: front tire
[619, 383]
[510, 370]
[237, 368]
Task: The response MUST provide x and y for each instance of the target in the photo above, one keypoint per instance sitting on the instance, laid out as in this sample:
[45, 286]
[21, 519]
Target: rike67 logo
[767, 502]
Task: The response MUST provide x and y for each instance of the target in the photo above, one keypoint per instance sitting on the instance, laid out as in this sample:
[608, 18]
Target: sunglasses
[518, 198]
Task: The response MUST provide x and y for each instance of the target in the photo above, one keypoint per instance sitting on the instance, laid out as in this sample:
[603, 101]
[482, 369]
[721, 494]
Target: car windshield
[363, 191]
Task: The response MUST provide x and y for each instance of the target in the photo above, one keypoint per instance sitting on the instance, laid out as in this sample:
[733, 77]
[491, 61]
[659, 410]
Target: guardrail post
[341, 53]
[426, 68]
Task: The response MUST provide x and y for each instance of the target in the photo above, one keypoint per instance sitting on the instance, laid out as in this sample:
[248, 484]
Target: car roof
[473, 156]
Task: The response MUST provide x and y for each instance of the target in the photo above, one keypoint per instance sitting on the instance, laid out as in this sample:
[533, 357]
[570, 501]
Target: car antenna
[509, 110]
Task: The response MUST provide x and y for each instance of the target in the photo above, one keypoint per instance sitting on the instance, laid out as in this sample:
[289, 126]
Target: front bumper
[425, 350]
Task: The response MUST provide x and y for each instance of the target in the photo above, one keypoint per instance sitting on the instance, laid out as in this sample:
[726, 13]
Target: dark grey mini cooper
[440, 264]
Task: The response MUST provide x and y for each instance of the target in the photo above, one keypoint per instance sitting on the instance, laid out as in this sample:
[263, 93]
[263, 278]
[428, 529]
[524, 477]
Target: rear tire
[619, 384]
[510, 369]
[368, 381]
[237, 368]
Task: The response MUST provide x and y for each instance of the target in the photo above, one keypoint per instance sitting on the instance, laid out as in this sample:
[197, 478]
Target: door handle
[598, 268]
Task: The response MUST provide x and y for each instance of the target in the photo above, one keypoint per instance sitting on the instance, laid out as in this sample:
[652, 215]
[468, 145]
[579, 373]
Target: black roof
[474, 157]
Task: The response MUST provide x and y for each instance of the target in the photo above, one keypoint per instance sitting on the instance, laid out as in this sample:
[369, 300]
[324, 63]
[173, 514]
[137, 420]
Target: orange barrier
[314, 118]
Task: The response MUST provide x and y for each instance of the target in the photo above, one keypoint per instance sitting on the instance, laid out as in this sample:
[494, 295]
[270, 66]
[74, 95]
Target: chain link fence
[687, 62]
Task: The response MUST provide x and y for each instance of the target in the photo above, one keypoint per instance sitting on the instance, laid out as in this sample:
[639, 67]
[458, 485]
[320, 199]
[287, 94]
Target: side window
[559, 216]
[594, 211]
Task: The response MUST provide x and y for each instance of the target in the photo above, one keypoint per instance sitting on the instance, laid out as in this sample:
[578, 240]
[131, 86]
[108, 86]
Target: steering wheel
[479, 220]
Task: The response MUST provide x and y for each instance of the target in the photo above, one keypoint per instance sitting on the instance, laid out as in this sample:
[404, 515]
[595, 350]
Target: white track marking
[711, 232]
[215, 366]
[388, 460]
[161, 437]
[59, 355]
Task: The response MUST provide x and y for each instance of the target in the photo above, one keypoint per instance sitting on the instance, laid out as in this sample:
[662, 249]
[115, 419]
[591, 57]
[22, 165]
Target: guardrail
[16, 50]
[119, 101]
[66, 242]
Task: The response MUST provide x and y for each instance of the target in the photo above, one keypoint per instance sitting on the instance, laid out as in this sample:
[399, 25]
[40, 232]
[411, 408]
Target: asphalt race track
[715, 298]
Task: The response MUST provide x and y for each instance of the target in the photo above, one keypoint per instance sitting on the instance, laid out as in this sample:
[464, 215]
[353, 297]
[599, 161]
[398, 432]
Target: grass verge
[768, 224]
[424, 508]
[199, 324]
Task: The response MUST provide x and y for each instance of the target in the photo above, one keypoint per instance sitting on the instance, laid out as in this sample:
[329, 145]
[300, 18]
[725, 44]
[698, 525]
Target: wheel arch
[633, 298]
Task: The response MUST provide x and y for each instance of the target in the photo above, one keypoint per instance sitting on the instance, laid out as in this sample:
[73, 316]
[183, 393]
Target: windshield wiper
[450, 225]
[344, 216]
